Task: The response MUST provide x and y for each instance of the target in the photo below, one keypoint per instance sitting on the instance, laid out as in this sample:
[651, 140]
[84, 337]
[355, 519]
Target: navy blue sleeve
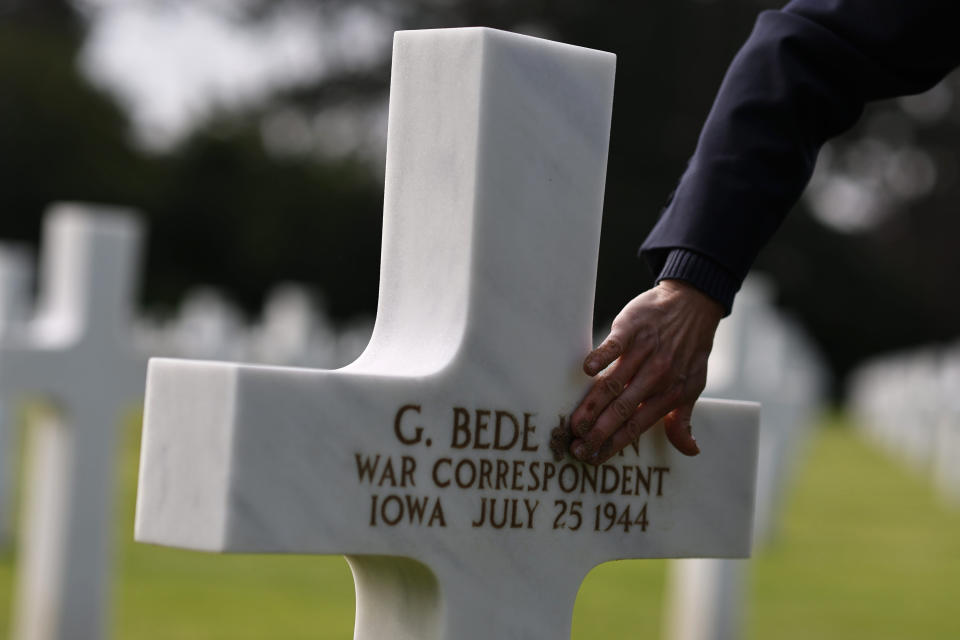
[802, 77]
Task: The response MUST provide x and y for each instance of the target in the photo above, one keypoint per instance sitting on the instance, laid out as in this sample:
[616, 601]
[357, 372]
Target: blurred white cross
[77, 356]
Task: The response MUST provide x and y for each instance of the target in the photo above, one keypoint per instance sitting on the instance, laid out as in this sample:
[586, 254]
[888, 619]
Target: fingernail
[579, 451]
[582, 428]
[690, 430]
[696, 447]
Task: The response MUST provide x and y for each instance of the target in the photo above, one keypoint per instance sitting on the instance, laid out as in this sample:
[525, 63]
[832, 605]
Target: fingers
[649, 383]
[623, 437]
[608, 351]
[679, 431]
[601, 357]
[652, 375]
[609, 387]
[602, 442]
[659, 340]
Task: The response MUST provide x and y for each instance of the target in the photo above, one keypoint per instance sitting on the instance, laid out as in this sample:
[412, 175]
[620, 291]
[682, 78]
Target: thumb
[679, 431]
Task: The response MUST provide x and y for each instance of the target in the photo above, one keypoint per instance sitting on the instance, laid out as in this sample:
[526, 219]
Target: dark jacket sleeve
[801, 78]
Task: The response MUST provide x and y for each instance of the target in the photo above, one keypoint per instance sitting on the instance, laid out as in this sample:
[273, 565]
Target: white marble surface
[494, 187]
[76, 357]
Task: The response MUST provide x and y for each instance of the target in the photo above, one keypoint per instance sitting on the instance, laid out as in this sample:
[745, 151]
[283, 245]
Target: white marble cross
[428, 460]
[15, 279]
[77, 356]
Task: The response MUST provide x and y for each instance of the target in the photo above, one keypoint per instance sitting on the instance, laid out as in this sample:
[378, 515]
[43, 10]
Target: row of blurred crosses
[909, 405]
[81, 351]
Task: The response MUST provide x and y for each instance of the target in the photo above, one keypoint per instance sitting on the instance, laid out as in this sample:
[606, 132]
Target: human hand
[654, 365]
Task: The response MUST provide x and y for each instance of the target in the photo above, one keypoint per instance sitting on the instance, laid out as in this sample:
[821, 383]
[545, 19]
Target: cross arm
[267, 459]
[264, 459]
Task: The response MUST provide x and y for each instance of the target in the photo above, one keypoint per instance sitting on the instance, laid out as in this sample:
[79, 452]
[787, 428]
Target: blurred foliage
[225, 210]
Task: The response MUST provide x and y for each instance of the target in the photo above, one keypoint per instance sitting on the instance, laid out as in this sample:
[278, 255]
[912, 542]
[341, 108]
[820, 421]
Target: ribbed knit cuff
[703, 273]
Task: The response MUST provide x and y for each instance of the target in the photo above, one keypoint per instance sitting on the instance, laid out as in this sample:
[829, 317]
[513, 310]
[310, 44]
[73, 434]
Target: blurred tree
[226, 212]
[59, 138]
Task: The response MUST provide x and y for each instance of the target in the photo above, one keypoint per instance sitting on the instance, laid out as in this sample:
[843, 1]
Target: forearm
[803, 77]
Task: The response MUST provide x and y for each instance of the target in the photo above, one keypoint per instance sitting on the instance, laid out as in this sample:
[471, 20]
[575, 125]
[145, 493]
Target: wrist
[705, 304]
[703, 274]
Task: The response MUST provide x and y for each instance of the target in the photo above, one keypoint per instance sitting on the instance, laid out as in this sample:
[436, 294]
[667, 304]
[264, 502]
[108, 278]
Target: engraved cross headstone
[76, 355]
[427, 461]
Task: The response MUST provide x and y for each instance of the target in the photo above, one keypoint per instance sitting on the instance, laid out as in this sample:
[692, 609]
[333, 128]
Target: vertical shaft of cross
[88, 269]
[494, 138]
[402, 598]
[429, 200]
[544, 131]
[539, 605]
[396, 598]
[36, 599]
[62, 580]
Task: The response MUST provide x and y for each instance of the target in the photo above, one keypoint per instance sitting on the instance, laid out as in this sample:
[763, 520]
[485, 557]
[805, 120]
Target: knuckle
[588, 412]
[634, 429]
[595, 440]
[613, 345]
[613, 386]
[621, 408]
[582, 413]
[625, 319]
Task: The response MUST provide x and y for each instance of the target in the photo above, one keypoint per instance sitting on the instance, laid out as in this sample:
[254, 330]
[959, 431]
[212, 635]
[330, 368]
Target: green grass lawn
[866, 551]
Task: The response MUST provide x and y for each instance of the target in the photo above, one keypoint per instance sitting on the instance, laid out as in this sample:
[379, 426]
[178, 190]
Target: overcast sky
[171, 63]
